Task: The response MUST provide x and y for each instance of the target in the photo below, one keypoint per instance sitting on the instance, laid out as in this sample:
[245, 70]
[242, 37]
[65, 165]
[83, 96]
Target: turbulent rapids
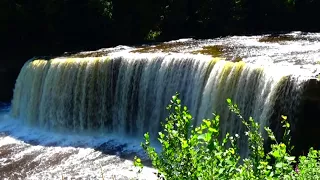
[125, 94]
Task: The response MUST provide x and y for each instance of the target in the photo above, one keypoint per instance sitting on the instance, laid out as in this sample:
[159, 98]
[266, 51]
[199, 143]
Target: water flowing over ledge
[94, 110]
[128, 93]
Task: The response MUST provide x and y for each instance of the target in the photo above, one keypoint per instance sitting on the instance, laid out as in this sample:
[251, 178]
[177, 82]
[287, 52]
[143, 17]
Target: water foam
[32, 153]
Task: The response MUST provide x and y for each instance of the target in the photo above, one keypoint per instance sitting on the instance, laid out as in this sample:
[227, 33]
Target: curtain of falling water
[128, 94]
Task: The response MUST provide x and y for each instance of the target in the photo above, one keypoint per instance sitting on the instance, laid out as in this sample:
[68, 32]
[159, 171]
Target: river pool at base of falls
[30, 153]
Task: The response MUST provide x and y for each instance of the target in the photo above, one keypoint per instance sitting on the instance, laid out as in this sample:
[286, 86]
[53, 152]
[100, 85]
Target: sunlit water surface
[30, 153]
[296, 49]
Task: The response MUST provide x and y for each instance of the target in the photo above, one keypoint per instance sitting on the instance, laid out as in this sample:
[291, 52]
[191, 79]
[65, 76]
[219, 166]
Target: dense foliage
[197, 153]
[44, 27]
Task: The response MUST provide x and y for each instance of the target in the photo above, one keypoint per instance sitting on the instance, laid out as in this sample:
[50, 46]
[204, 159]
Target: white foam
[75, 154]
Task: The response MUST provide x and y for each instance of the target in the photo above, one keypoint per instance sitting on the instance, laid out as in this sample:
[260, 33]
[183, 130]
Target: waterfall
[128, 93]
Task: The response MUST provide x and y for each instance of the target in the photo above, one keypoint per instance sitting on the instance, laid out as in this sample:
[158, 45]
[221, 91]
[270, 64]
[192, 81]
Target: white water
[127, 93]
[32, 153]
[301, 49]
[65, 110]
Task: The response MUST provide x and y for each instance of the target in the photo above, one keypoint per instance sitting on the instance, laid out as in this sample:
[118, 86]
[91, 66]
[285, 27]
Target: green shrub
[153, 35]
[197, 153]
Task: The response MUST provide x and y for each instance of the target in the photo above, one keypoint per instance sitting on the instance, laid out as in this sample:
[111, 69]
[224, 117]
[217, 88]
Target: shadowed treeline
[51, 27]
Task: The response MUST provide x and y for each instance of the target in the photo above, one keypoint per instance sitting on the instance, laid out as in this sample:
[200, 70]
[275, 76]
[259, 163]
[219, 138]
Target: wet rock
[308, 127]
[111, 148]
[7, 80]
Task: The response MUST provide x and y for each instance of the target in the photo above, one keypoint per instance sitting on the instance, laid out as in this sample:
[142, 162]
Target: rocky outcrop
[307, 133]
[303, 114]
[8, 76]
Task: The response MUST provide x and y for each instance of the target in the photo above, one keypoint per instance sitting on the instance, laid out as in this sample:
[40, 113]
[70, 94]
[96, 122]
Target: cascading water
[76, 117]
[128, 94]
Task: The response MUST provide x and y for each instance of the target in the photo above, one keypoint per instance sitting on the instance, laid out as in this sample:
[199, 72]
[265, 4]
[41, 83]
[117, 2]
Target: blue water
[4, 107]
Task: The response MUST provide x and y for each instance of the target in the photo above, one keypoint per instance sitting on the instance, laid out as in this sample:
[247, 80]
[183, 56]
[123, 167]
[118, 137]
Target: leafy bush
[197, 153]
[153, 35]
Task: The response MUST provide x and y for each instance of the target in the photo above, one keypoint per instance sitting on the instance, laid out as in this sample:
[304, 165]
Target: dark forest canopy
[47, 27]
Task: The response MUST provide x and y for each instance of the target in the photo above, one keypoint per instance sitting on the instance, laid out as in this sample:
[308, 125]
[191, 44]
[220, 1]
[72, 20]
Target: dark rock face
[111, 148]
[303, 115]
[308, 127]
[287, 102]
[8, 78]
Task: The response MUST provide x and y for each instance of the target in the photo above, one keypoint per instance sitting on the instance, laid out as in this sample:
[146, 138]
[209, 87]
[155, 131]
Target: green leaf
[208, 136]
[213, 130]
[202, 136]
[271, 174]
[185, 108]
[184, 144]
[279, 165]
[221, 170]
[146, 135]
[287, 125]
[174, 98]
[137, 162]
[290, 158]
[207, 122]
[284, 117]
[276, 154]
